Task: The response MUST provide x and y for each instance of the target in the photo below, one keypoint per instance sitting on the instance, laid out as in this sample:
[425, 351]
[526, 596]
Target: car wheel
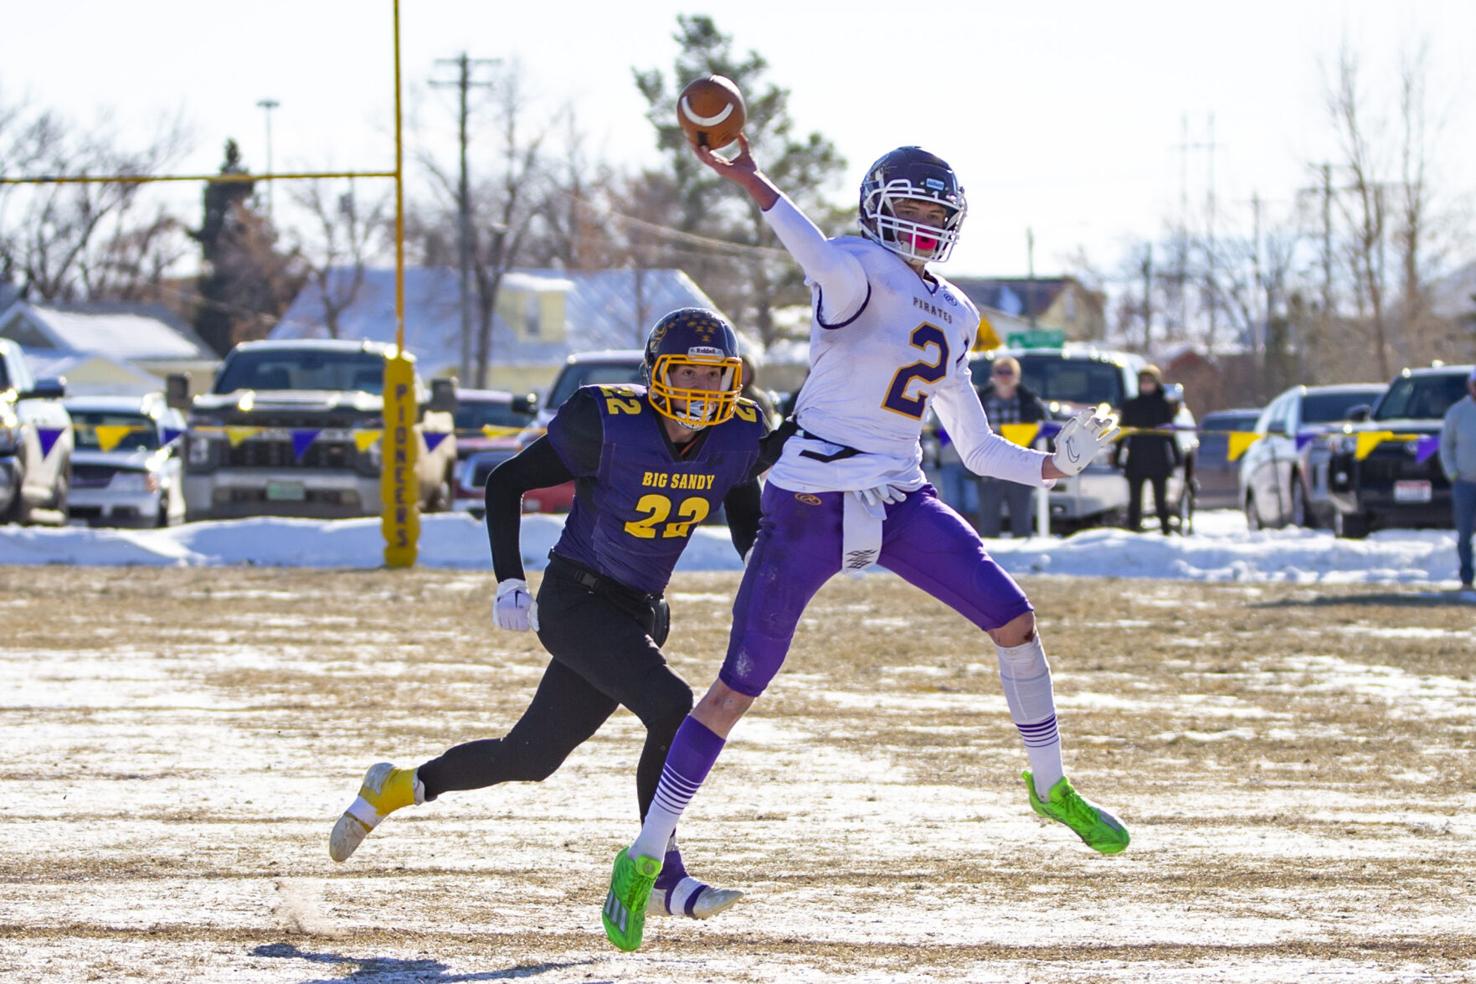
[1351, 526]
[16, 512]
[440, 499]
[1300, 515]
[1252, 517]
[62, 493]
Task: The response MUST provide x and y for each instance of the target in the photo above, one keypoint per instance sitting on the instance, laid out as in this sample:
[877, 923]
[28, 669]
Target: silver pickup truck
[35, 443]
[290, 427]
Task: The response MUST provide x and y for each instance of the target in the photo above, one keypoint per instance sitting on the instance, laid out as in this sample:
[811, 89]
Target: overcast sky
[1066, 118]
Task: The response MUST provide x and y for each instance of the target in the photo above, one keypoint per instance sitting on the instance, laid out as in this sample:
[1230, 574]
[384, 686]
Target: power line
[679, 235]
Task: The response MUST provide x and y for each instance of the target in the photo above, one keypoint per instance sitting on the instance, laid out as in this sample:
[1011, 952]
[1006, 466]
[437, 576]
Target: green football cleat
[1101, 831]
[630, 892]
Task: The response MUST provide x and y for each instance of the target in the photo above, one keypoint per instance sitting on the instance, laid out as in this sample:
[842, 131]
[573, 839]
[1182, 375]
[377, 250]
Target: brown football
[711, 112]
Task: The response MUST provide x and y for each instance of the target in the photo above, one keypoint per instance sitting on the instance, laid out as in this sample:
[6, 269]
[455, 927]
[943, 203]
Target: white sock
[1026, 678]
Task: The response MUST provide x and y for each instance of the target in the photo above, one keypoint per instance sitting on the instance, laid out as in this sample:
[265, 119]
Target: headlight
[199, 445]
[133, 482]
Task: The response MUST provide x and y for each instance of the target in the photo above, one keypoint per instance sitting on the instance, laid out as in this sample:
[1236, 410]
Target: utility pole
[1185, 145]
[1262, 310]
[1210, 288]
[1030, 264]
[464, 84]
[267, 105]
[1147, 269]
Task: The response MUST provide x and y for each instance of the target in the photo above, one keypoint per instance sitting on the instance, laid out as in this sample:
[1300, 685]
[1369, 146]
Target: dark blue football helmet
[911, 172]
[693, 337]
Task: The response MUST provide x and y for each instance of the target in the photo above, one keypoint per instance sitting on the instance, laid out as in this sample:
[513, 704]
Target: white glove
[514, 608]
[882, 495]
[1083, 437]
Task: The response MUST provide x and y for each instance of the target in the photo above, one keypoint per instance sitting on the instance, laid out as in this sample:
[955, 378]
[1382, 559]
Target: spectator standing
[956, 484]
[1150, 457]
[1007, 400]
[1458, 458]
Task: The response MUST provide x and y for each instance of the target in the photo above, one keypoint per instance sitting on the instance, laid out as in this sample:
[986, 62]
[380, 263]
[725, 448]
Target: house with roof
[107, 348]
[1020, 303]
[542, 317]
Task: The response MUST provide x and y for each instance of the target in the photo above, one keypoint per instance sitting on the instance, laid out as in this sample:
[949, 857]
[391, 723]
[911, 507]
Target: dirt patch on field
[1295, 764]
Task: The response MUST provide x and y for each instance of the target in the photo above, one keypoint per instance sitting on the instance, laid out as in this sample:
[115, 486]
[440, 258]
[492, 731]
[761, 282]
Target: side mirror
[443, 395]
[1360, 413]
[50, 388]
[177, 390]
[527, 403]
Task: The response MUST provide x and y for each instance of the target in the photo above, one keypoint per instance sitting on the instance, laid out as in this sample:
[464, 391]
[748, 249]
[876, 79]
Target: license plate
[285, 492]
[1412, 491]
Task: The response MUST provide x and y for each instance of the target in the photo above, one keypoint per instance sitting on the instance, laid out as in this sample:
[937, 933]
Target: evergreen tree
[247, 282]
[747, 286]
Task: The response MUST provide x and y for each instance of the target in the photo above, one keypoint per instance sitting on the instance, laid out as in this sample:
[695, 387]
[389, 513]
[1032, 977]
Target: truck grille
[278, 454]
[91, 476]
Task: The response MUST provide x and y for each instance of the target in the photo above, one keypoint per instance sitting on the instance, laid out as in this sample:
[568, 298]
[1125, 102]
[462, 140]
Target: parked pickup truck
[1077, 376]
[286, 431]
[35, 443]
[1398, 481]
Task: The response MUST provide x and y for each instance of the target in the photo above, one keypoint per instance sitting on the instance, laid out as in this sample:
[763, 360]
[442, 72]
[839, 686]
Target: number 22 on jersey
[656, 508]
[898, 400]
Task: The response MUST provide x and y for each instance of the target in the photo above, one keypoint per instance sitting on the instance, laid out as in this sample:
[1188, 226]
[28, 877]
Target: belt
[601, 584]
[841, 455]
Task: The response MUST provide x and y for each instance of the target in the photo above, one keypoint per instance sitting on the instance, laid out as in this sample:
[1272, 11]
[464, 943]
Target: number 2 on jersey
[657, 507]
[898, 401]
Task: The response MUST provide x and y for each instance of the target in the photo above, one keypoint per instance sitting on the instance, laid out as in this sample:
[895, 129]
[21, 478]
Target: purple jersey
[638, 496]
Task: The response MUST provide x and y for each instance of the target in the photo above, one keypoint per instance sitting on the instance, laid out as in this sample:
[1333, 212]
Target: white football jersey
[873, 375]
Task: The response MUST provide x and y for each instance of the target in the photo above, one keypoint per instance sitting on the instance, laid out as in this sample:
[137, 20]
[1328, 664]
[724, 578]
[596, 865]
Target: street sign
[1037, 338]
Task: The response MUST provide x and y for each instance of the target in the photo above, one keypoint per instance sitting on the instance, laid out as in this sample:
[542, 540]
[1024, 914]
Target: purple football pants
[799, 548]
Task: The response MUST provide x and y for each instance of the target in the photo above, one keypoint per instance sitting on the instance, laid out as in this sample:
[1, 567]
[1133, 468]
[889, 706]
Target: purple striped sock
[693, 752]
[1043, 747]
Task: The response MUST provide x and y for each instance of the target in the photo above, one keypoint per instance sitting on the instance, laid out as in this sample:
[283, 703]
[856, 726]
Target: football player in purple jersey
[649, 464]
[889, 340]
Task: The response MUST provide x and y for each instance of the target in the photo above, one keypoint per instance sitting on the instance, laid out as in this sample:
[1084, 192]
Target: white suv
[126, 469]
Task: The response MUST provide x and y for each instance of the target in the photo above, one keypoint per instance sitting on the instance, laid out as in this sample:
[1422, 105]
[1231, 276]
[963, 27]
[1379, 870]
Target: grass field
[1295, 764]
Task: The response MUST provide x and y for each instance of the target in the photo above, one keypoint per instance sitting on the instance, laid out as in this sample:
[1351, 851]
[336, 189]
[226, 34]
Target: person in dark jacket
[1151, 457]
[1007, 400]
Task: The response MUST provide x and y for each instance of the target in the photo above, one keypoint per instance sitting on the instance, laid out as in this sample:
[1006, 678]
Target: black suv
[1399, 483]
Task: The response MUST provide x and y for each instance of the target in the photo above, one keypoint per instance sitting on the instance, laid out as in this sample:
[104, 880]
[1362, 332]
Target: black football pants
[604, 655]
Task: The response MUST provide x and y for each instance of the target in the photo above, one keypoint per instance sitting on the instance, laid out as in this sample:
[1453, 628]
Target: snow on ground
[1220, 549]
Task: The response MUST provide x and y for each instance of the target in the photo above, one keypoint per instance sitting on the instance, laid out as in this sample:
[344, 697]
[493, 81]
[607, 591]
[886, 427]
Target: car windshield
[312, 369]
[1084, 381]
[1229, 421]
[474, 415]
[1325, 408]
[135, 431]
[577, 374]
[1421, 397]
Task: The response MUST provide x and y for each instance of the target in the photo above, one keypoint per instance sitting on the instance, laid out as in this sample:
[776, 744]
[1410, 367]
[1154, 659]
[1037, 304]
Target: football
[711, 112]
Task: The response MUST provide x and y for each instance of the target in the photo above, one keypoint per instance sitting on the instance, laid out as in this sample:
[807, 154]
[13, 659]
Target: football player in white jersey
[889, 339]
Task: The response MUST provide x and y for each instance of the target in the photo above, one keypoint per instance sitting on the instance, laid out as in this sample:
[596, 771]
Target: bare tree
[1364, 203]
[345, 234]
[504, 207]
[73, 241]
